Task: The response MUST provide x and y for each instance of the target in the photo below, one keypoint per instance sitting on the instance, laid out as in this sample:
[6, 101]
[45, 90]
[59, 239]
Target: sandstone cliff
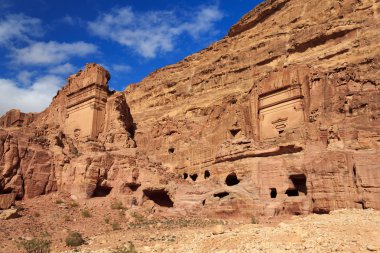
[280, 116]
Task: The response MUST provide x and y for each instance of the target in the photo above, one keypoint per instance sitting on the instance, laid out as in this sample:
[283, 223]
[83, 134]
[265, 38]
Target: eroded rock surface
[280, 116]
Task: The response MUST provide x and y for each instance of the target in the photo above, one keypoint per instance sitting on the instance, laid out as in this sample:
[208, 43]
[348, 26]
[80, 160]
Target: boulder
[9, 214]
[7, 200]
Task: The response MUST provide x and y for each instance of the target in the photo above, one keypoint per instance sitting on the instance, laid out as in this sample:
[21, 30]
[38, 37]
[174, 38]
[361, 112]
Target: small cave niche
[321, 211]
[362, 204]
[171, 150]
[133, 186]
[232, 179]
[273, 193]
[207, 174]
[185, 175]
[159, 196]
[299, 185]
[292, 192]
[194, 177]
[203, 202]
[101, 191]
[234, 132]
[221, 195]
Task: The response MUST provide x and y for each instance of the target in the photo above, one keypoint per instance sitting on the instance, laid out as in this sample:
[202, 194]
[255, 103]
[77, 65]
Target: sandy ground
[52, 217]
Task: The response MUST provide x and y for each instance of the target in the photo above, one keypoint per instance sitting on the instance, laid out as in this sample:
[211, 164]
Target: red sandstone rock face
[16, 118]
[289, 93]
[281, 116]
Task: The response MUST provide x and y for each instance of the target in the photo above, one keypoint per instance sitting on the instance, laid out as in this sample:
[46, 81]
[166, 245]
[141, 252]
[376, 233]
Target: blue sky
[44, 41]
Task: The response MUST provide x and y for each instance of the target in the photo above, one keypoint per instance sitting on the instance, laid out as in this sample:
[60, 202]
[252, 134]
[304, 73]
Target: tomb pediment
[280, 110]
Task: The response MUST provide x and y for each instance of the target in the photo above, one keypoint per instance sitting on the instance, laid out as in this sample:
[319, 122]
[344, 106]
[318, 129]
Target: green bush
[116, 226]
[254, 220]
[35, 245]
[117, 205]
[74, 239]
[131, 249]
[86, 213]
[59, 201]
[138, 217]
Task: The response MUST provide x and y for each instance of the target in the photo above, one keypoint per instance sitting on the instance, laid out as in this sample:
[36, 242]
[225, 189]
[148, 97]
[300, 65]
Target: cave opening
[234, 132]
[101, 191]
[194, 177]
[185, 175]
[221, 194]
[273, 193]
[159, 196]
[321, 211]
[171, 150]
[299, 185]
[207, 174]
[232, 179]
[292, 192]
[299, 182]
[133, 186]
[362, 204]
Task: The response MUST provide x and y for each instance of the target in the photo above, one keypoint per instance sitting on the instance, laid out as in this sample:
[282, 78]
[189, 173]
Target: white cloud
[24, 77]
[203, 21]
[45, 53]
[18, 27]
[73, 21]
[121, 68]
[32, 88]
[34, 98]
[150, 33]
[68, 20]
[63, 69]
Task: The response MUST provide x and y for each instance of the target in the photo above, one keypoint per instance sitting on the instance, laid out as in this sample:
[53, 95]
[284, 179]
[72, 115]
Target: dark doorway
[299, 185]
[273, 193]
[133, 186]
[321, 211]
[194, 177]
[221, 194]
[232, 179]
[207, 174]
[299, 182]
[185, 175]
[234, 132]
[159, 196]
[101, 191]
[292, 192]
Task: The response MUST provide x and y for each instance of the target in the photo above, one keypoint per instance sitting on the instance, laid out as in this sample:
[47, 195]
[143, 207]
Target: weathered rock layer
[280, 116]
